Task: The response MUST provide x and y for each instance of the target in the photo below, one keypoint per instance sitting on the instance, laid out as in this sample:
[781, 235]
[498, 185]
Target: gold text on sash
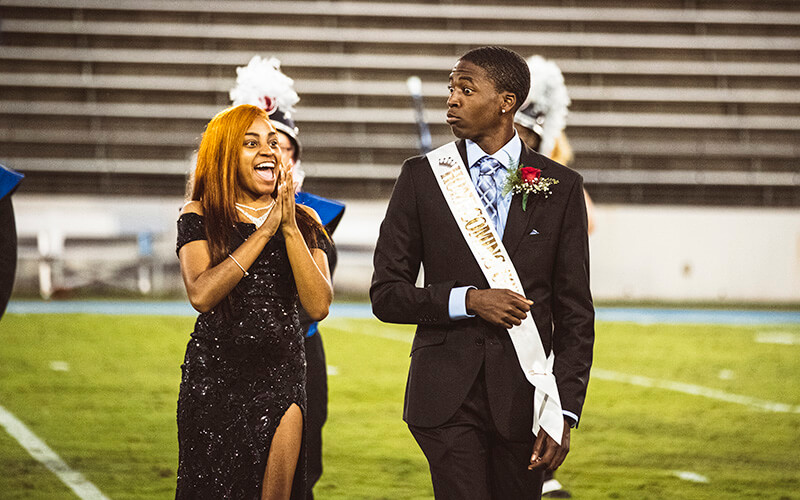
[476, 225]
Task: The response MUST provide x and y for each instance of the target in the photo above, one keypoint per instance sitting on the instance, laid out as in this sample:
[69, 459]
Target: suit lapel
[519, 221]
[461, 145]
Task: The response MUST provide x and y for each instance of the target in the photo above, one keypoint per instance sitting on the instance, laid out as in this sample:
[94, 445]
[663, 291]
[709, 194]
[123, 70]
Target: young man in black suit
[468, 402]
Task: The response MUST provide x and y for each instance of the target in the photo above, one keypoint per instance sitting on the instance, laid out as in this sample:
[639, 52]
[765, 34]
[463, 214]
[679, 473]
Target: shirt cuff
[457, 305]
[571, 418]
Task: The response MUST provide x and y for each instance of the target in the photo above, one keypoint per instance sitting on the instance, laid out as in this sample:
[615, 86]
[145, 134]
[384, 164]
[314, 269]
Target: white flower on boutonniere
[528, 180]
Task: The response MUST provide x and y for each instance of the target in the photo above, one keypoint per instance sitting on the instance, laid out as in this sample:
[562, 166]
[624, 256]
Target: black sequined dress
[243, 369]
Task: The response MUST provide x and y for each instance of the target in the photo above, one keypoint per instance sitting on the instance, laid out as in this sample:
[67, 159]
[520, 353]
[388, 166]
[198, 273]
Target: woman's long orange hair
[215, 183]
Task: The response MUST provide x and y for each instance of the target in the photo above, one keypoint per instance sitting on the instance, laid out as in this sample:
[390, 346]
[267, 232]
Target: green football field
[673, 412]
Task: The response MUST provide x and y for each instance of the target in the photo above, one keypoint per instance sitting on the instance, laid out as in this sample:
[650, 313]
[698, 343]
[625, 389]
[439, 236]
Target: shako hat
[263, 84]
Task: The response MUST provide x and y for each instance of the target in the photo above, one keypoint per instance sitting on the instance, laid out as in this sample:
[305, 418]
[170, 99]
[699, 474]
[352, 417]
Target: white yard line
[47, 457]
[690, 476]
[694, 390]
[785, 338]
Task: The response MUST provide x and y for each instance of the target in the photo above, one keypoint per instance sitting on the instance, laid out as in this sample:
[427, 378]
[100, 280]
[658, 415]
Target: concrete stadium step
[526, 41]
[396, 143]
[328, 87]
[393, 116]
[209, 61]
[425, 10]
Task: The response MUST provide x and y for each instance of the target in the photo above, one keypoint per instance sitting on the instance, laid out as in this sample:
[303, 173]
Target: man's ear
[509, 102]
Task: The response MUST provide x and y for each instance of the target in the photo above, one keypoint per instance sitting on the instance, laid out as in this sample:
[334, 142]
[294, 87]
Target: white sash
[488, 250]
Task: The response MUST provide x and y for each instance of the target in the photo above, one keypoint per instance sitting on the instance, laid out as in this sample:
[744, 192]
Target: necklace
[258, 221]
[256, 209]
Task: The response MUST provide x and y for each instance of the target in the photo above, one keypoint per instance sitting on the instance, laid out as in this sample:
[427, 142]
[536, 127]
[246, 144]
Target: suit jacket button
[479, 341]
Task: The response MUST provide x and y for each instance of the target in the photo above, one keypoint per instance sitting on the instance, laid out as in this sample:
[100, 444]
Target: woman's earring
[502, 110]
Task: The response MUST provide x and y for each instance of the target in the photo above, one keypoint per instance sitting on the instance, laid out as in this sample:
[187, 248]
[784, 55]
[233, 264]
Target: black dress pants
[469, 460]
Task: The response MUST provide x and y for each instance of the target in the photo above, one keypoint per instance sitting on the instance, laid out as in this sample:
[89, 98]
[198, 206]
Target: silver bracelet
[240, 266]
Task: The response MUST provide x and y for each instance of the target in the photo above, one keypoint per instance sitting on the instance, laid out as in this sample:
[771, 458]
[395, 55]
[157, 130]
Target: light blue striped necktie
[487, 187]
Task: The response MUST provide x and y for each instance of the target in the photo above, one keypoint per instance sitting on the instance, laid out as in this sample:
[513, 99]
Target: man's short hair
[508, 70]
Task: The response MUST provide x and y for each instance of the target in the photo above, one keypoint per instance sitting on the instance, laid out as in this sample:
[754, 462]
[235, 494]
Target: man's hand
[547, 453]
[500, 307]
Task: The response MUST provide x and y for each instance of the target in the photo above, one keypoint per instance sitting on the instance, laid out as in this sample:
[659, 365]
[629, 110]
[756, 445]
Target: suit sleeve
[398, 254]
[573, 311]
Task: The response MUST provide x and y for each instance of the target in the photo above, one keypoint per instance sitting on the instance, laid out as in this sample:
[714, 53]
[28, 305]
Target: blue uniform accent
[328, 210]
[312, 329]
[9, 180]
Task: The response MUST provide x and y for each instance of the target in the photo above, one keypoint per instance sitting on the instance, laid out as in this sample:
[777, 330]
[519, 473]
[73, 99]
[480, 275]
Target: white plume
[261, 83]
[549, 97]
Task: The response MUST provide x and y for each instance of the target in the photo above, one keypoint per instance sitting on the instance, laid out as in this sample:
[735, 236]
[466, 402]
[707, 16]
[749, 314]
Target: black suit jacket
[446, 355]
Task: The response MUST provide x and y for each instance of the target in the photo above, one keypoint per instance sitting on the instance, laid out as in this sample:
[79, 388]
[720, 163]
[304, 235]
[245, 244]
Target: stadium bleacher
[674, 102]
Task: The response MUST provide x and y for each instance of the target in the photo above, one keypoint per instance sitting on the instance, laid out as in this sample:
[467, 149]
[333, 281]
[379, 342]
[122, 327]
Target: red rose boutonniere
[528, 180]
[530, 174]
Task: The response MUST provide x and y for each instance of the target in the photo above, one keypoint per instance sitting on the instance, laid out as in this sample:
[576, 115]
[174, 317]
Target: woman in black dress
[249, 257]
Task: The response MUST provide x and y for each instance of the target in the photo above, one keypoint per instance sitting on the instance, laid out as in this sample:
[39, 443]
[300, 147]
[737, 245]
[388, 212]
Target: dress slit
[298, 482]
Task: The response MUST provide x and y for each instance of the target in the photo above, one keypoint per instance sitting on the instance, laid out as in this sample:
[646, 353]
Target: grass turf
[111, 416]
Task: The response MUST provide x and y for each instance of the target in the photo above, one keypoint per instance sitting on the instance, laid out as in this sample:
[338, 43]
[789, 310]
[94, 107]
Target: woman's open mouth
[266, 171]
